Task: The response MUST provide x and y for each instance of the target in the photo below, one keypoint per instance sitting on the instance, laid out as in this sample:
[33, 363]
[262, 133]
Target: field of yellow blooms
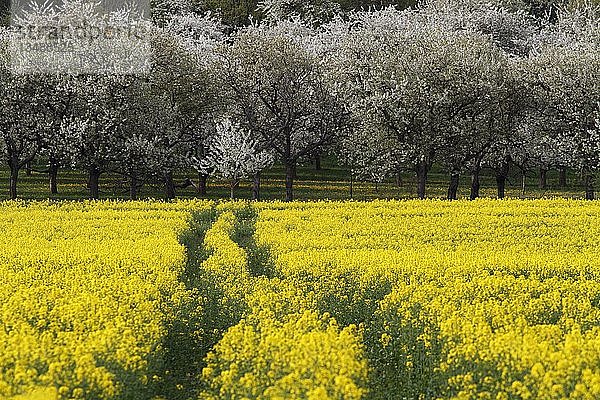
[86, 293]
[463, 300]
[382, 300]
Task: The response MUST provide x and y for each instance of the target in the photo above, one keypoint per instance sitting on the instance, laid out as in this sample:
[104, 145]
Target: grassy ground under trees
[331, 182]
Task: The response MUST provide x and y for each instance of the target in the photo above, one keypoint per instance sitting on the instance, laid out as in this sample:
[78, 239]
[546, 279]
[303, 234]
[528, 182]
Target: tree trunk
[290, 174]
[318, 162]
[422, 171]
[232, 186]
[453, 188]
[399, 181]
[501, 184]
[53, 176]
[94, 182]
[202, 183]
[562, 177]
[28, 168]
[502, 176]
[523, 183]
[475, 183]
[133, 188]
[351, 185]
[14, 177]
[256, 187]
[589, 186]
[169, 186]
[543, 183]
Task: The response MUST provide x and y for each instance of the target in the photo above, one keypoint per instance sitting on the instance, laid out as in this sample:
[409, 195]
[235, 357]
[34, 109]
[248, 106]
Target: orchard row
[466, 85]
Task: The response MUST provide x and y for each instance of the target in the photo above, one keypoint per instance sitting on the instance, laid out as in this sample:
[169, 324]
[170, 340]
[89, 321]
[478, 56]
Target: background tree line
[464, 84]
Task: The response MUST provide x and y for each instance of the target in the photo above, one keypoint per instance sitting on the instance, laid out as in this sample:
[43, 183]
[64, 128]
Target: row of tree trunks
[93, 182]
[501, 178]
[422, 172]
[562, 178]
[543, 178]
[423, 168]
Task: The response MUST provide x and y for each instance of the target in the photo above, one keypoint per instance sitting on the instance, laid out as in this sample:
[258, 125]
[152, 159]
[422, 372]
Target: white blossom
[233, 155]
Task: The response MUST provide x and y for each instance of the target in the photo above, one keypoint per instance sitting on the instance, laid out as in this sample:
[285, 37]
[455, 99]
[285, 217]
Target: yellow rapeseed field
[384, 300]
[458, 300]
[86, 290]
[282, 348]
